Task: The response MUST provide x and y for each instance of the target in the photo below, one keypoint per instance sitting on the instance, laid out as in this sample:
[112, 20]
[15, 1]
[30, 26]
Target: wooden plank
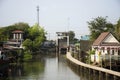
[68, 55]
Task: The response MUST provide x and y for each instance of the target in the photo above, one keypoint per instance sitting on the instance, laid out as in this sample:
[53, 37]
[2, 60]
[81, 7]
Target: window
[115, 49]
[118, 51]
[112, 52]
[108, 50]
[103, 49]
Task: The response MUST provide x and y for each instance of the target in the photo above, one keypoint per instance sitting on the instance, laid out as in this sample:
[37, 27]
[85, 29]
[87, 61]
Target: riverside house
[105, 46]
[16, 41]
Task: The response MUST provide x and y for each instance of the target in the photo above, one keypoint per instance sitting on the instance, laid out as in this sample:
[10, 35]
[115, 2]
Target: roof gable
[105, 38]
[100, 38]
[110, 39]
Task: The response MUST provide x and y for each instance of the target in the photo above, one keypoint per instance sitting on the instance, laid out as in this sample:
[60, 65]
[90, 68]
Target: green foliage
[3, 34]
[71, 35]
[18, 26]
[36, 31]
[36, 37]
[27, 55]
[33, 68]
[72, 38]
[33, 36]
[6, 32]
[117, 30]
[99, 25]
[27, 44]
[92, 52]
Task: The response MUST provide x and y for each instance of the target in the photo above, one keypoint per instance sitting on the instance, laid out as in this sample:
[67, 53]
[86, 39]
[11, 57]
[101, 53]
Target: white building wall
[96, 57]
[14, 36]
[113, 49]
[110, 38]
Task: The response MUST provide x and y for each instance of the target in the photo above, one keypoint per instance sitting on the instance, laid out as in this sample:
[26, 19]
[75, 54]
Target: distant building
[85, 46]
[16, 41]
[86, 37]
[62, 42]
[85, 43]
[17, 35]
[48, 44]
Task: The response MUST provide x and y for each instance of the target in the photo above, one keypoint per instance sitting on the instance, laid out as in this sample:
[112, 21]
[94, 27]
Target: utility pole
[38, 15]
[68, 24]
[48, 36]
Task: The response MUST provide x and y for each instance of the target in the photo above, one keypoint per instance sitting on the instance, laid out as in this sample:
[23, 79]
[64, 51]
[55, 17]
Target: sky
[59, 15]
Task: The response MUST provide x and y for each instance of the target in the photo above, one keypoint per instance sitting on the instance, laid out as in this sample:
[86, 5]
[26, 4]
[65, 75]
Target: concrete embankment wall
[116, 75]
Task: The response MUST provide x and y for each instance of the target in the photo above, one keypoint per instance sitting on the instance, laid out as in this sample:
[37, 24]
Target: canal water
[50, 67]
[44, 68]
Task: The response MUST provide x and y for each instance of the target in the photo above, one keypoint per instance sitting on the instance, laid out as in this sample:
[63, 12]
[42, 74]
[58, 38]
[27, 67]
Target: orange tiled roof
[17, 31]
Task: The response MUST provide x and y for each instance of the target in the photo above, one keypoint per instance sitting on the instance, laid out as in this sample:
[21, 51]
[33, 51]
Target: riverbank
[90, 67]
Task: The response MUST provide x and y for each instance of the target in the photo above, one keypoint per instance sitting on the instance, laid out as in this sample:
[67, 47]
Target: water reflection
[45, 68]
[58, 70]
[27, 70]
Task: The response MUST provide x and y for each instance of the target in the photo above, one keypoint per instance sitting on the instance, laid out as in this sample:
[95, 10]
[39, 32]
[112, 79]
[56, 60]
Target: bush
[27, 56]
[92, 52]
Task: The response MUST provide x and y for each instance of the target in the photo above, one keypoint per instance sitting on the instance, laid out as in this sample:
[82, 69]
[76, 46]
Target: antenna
[68, 24]
[38, 15]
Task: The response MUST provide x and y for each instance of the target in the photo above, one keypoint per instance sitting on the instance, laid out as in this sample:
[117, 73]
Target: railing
[113, 57]
[69, 57]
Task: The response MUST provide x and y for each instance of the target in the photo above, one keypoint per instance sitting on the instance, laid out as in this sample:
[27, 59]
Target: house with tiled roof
[105, 44]
[16, 41]
[17, 35]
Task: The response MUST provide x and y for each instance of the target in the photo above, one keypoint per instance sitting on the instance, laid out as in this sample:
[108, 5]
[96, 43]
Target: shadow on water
[24, 70]
[88, 74]
[4, 71]
[38, 69]
[13, 71]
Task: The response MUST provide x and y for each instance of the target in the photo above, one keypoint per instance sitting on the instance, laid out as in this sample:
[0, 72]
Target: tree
[72, 38]
[36, 37]
[3, 34]
[117, 30]
[99, 25]
[19, 26]
[71, 35]
[36, 31]
[6, 32]
[27, 44]
[27, 49]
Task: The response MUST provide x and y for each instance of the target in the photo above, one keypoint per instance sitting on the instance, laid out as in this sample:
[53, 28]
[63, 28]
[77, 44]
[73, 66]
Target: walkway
[69, 57]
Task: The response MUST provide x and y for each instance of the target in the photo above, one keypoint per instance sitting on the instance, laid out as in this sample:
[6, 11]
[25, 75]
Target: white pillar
[68, 41]
[105, 51]
[116, 51]
[17, 36]
[110, 58]
[20, 36]
[56, 40]
[14, 36]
